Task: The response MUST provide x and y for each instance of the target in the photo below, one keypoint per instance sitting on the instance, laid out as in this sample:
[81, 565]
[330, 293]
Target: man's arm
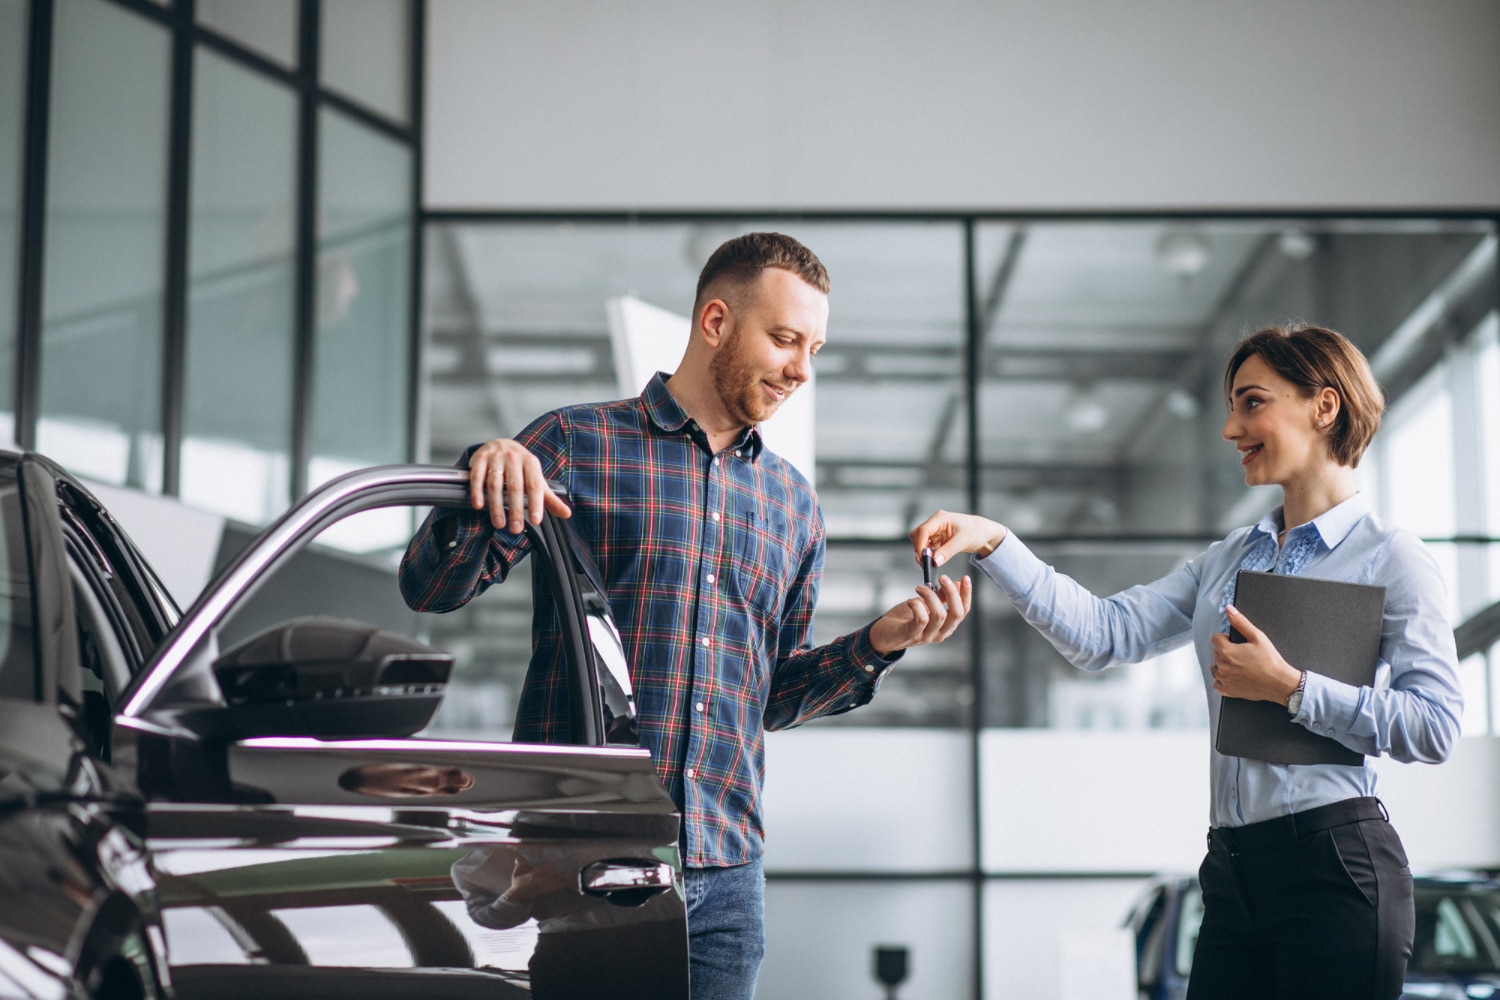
[808, 683]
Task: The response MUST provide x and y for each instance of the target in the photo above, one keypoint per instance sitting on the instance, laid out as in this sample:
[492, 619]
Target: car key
[927, 580]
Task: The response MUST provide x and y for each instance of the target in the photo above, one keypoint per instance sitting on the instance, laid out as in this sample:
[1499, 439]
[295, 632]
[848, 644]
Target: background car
[232, 802]
[1456, 953]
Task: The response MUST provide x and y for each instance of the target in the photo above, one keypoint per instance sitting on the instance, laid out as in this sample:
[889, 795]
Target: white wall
[1063, 813]
[882, 104]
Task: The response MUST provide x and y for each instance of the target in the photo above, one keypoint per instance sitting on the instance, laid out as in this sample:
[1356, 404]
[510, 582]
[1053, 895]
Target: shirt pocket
[761, 550]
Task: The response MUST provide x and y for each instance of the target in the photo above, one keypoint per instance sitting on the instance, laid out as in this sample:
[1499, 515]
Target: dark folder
[1324, 626]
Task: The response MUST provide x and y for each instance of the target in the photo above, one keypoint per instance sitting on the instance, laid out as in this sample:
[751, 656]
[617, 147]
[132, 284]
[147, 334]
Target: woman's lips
[1249, 453]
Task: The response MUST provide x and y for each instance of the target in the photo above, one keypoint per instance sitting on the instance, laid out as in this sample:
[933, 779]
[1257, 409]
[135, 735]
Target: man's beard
[739, 385]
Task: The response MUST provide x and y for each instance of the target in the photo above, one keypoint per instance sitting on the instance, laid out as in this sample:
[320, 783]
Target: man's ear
[714, 320]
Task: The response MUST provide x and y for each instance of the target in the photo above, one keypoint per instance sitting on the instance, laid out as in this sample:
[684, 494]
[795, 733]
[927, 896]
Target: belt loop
[1384, 814]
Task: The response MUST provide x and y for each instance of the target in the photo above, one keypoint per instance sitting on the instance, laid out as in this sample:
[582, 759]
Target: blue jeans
[726, 917]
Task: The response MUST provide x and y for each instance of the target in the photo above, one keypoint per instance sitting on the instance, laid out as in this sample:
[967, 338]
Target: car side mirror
[329, 678]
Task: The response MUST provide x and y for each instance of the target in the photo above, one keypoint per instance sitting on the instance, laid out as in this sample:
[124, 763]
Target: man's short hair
[740, 261]
[1314, 358]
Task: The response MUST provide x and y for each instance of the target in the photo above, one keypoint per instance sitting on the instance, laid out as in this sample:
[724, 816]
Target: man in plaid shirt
[712, 549]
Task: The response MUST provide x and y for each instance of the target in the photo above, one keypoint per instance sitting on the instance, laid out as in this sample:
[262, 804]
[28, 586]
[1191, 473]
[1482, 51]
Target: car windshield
[1458, 929]
[18, 672]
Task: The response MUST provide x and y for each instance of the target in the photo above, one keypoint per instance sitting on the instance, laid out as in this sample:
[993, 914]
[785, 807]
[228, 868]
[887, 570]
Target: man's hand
[508, 479]
[929, 617]
[1252, 669]
[949, 534]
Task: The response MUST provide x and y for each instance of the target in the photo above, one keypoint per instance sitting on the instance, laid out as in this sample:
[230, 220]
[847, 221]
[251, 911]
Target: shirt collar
[665, 412]
[1332, 526]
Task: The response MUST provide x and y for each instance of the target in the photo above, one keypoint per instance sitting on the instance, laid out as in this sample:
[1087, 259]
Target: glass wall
[269, 27]
[362, 380]
[364, 43]
[1063, 376]
[105, 266]
[237, 421]
[1098, 348]
[226, 285]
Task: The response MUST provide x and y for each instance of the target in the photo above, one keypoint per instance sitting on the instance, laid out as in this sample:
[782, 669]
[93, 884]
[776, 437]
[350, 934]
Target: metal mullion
[416, 421]
[245, 56]
[406, 135]
[304, 331]
[1002, 215]
[974, 356]
[164, 15]
[28, 358]
[175, 290]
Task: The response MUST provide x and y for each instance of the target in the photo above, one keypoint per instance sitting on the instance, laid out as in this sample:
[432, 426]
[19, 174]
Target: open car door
[307, 844]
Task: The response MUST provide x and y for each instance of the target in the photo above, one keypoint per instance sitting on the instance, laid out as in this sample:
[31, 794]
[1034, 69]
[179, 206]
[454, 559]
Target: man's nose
[800, 367]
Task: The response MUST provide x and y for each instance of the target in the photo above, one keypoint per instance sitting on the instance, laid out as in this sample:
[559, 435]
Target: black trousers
[1317, 904]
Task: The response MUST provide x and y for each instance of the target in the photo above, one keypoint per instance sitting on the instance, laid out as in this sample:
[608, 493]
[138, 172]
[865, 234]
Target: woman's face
[1275, 427]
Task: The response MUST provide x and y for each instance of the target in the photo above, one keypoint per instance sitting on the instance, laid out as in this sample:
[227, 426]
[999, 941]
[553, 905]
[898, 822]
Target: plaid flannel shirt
[712, 563]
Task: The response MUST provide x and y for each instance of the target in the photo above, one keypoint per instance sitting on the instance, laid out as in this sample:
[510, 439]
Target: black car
[1455, 956]
[231, 803]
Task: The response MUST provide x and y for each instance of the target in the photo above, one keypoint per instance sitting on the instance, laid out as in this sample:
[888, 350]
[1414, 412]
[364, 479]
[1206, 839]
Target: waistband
[1287, 829]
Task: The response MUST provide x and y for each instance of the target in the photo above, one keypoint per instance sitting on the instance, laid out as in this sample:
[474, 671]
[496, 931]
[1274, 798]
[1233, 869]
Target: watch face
[1294, 703]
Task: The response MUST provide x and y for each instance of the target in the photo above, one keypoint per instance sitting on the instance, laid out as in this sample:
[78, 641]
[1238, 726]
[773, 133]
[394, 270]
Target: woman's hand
[948, 534]
[1252, 669]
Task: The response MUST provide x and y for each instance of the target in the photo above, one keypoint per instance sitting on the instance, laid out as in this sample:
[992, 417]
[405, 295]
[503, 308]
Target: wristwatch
[1294, 700]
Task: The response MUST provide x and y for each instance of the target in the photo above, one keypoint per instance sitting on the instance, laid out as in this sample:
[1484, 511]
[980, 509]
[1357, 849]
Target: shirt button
[691, 772]
[704, 640]
[714, 515]
[710, 578]
[699, 706]
[869, 669]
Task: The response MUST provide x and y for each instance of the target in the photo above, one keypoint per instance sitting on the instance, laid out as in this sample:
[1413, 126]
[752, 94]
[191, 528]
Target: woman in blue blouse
[1306, 888]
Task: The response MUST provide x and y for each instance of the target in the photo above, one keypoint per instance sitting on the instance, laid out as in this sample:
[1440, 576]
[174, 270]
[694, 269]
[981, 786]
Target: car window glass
[1152, 930]
[102, 666]
[18, 677]
[1452, 936]
[1187, 929]
[95, 545]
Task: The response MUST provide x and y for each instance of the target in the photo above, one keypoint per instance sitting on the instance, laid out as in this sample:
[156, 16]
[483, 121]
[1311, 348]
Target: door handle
[626, 882]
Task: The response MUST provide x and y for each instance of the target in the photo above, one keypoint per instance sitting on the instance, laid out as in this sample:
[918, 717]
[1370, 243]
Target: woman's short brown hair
[1314, 358]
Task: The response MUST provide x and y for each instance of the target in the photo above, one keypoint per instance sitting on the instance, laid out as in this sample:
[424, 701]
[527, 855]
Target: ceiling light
[1296, 243]
[1086, 416]
[1182, 253]
[1104, 510]
[1182, 404]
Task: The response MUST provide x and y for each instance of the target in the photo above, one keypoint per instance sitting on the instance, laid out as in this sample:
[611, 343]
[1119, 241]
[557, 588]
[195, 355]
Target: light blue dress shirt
[1412, 714]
